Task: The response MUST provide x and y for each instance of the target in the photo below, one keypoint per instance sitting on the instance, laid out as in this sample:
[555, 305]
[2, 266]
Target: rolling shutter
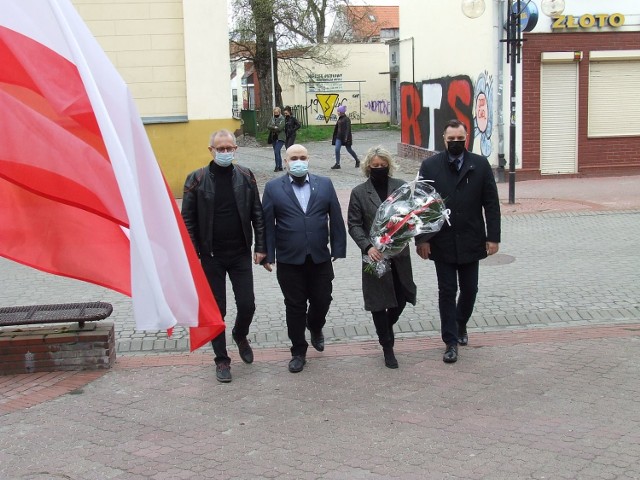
[558, 118]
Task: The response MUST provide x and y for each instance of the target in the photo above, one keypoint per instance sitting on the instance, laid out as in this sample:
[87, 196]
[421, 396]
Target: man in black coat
[466, 183]
[222, 211]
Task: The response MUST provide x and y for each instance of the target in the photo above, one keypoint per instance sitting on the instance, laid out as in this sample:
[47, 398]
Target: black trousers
[239, 269]
[384, 320]
[290, 140]
[456, 313]
[307, 296]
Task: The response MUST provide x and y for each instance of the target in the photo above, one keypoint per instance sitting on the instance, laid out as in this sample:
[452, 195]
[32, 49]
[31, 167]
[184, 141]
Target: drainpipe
[502, 162]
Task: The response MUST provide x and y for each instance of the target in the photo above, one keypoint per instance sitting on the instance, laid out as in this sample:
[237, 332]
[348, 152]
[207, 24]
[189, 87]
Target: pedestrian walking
[305, 231]
[466, 182]
[222, 211]
[342, 137]
[276, 137]
[291, 126]
[387, 296]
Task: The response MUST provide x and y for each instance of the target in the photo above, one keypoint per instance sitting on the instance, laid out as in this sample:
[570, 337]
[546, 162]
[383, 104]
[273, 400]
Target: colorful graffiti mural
[483, 119]
[427, 106]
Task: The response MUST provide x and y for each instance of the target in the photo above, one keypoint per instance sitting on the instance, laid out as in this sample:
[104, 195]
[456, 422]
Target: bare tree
[298, 28]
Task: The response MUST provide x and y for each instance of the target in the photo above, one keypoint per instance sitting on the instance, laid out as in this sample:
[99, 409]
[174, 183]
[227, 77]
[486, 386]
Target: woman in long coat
[387, 296]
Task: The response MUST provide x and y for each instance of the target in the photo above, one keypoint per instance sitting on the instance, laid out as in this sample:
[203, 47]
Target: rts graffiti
[427, 106]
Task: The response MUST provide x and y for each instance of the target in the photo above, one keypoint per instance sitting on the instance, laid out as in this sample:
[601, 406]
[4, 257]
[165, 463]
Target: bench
[56, 313]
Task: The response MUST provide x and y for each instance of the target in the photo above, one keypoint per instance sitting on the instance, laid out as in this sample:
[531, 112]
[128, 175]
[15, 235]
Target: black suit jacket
[472, 197]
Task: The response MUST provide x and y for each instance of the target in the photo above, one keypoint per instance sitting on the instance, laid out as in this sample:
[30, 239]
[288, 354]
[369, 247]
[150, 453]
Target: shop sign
[588, 20]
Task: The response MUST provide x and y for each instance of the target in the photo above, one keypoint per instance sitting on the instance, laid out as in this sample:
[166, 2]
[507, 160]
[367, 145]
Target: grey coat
[379, 293]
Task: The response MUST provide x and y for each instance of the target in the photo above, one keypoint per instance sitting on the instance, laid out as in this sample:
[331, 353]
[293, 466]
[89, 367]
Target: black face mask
[379, 174]
[455, 147]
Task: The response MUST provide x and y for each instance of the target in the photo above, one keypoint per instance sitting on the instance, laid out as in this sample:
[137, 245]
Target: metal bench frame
[55, 313]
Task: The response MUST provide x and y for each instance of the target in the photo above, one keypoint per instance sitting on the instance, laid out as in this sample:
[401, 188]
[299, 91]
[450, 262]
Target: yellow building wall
[181, 148]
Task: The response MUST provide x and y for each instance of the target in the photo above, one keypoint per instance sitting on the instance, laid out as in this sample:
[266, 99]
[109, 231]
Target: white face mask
[223, 159]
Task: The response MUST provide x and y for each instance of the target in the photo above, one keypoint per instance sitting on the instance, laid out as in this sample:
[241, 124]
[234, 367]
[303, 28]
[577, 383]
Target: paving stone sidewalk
[552, 403]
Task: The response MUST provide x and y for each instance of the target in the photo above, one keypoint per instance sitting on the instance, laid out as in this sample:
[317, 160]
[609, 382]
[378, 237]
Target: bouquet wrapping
[413, 209]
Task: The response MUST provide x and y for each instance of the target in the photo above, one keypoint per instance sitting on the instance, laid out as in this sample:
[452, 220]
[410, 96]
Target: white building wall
[361, 82]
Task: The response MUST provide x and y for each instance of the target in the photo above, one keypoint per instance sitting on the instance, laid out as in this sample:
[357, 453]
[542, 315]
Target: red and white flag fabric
[81, 193]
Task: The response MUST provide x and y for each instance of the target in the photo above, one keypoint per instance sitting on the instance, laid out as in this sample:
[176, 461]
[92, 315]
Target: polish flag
[81, 193]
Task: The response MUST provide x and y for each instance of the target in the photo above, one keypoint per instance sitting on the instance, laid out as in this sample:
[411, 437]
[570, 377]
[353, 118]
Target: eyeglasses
[224, 149]
[299, 158]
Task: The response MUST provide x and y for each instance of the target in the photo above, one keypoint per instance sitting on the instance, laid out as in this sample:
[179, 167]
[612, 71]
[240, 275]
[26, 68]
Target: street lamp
[273, 81]
[516, 10]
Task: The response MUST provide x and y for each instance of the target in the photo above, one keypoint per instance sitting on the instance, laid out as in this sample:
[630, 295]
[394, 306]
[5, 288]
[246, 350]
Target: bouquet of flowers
[413, 209]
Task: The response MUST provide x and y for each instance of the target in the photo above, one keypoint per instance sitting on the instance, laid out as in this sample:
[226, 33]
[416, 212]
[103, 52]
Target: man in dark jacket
[466, 183]
[302, 215]
[220, 207]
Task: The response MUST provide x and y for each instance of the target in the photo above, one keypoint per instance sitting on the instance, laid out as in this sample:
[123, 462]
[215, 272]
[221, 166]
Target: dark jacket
[198, 209]
[291, 125]
[292, 234]
[379, 293]
[471, 195]
[342, 131]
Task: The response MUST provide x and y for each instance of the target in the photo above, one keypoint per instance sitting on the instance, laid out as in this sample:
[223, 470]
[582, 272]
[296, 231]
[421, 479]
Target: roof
[368, 21]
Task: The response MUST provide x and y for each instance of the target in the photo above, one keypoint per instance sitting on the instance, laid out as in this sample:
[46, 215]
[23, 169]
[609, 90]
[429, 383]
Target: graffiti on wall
[323, 107]
[379, 106]
[427, 106]
[483, 119]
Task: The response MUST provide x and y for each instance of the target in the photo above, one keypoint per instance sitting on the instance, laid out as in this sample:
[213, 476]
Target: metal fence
[254, 121]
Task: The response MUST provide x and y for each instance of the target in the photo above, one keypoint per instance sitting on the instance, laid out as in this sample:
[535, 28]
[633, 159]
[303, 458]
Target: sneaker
[223, 372]
[336, 167]
[244, 349]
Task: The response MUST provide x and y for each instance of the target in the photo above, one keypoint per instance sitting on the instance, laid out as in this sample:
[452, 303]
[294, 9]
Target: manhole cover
[498, 259]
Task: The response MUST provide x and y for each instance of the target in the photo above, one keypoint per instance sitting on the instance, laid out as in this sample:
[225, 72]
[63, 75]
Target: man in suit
[466, 183]
[302, 214]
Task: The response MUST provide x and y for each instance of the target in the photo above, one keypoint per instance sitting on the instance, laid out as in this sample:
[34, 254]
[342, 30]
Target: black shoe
[463, 338]
[279, 169]
[451, 354]
[276, 169]
[389, 358]
[223, 372]
[297, 364]
[244, 349]
[357, 163]
[336, 167]
[317, 340]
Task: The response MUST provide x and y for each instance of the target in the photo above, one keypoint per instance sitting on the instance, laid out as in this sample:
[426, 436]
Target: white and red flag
[81, 193]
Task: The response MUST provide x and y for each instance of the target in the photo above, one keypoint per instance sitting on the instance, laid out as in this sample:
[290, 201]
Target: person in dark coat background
[387, 296]
[466, 183]
[291, 126]
[342, 137]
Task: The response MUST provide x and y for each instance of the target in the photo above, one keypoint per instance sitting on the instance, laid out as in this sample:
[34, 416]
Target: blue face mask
[298, 168]
[223, 159]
